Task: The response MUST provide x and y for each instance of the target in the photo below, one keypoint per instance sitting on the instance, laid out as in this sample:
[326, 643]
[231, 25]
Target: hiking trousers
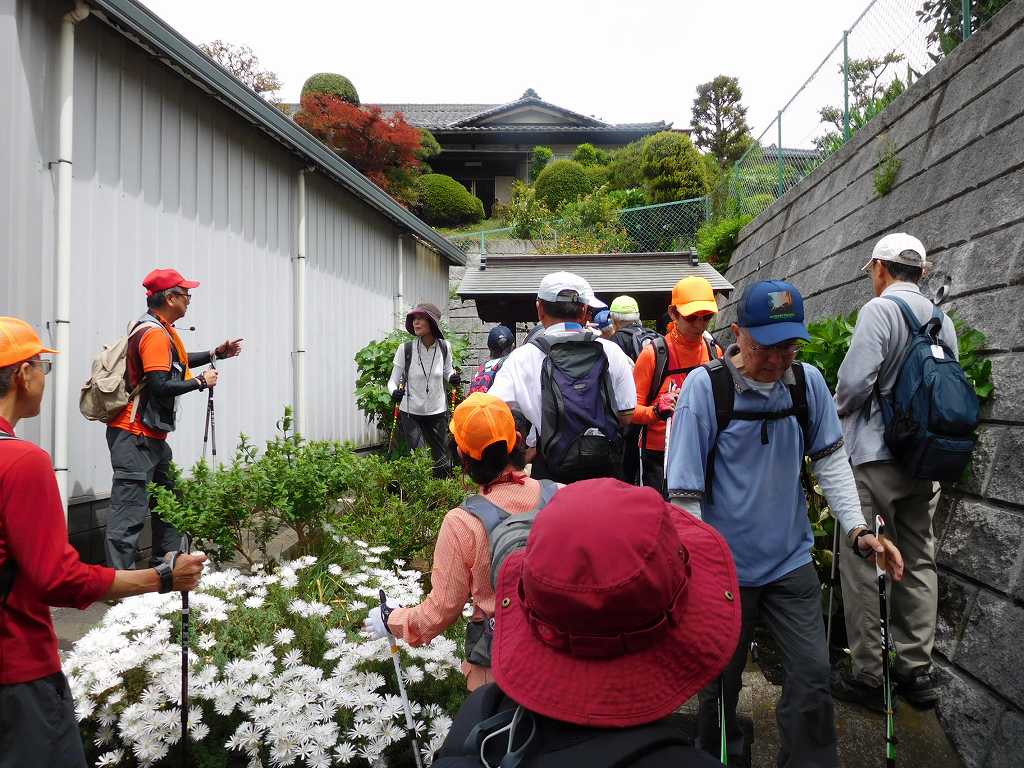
[137, 461]
[791, 609]
[428, 432]
[38, 725]
[908, 506]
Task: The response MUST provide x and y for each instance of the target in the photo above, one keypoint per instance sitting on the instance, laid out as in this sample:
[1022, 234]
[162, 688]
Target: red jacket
[34, 534]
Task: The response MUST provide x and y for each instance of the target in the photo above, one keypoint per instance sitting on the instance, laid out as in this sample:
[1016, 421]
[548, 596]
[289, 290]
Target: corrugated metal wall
[166, 176]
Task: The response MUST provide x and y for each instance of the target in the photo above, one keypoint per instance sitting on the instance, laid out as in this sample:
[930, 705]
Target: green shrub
[590, 224]
[672, 168]
[597, 175]
[562, 182]
[539, 158]
[444, 202]
[329, 82]
[588, 154]
[887, 169]
[624, 167]
[716, 240]
[527, 216]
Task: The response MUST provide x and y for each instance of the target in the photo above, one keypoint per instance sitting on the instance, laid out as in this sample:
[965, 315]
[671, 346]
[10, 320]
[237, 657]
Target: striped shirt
[462, 571]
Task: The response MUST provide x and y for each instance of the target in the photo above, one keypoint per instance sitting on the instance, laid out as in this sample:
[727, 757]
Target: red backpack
[483, 379]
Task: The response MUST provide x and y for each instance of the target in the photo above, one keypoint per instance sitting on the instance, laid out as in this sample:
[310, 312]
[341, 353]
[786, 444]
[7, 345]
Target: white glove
[374, 624]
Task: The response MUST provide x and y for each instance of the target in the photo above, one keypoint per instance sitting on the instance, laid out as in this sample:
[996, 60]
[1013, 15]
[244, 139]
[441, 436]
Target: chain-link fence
[642, 229]
[889, 46]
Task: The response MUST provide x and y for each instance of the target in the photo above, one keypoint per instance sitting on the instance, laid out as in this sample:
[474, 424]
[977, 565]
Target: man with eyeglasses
[160, 368]
[743, 425]
[39, 569]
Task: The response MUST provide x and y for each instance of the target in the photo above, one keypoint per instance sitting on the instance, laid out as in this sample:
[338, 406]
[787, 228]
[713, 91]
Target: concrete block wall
[959, 134]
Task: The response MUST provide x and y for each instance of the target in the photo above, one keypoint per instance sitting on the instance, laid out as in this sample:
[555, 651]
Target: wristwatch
[864, 555]
[165, 570]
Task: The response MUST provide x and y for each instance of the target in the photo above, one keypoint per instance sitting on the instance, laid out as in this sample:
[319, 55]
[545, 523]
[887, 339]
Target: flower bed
[279, 673]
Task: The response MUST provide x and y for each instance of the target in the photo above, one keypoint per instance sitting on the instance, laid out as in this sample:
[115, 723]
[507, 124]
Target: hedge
[444, 202]
[563, 181]
[329, 82]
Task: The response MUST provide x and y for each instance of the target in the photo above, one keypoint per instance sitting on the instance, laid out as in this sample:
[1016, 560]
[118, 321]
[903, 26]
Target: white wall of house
[164, 176]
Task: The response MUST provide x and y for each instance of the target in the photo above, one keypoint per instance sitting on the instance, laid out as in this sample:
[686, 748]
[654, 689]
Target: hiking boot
[920, 689]
[847, 688]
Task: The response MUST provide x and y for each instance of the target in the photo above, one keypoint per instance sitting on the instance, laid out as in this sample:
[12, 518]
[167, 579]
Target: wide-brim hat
[431, 313]
[620, 608]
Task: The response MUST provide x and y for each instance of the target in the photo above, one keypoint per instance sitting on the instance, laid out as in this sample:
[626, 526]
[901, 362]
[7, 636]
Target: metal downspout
[299, 315]
[399, 296]
[62, 313]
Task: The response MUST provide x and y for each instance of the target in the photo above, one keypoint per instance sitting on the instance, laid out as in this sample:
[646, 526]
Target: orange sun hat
[480, 421]
[19, 342]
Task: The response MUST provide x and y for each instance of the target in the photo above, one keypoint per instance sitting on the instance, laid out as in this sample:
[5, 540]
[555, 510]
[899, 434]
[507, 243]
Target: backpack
[106, 393]
[556, 745]
[580, 432]
[932, 412]
[638, 338]
[506, 533]
[484, 376]
[723, 389]
[8, 569]
[660, 346]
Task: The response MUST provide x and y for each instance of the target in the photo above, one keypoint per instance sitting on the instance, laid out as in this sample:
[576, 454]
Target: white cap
[565, 286]
[901, 248]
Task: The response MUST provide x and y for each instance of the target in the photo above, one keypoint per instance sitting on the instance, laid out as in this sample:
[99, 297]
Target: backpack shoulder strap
[660, 347]
[723, 392]
[446, 350]
[487, 512]
[798, 394]
[407, 353]
[712, 344]
[548, 489]
[907, 312]
[542, 343]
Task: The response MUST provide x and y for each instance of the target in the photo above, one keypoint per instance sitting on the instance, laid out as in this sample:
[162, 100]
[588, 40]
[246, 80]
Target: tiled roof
[435, 115]
[529, 101]
[629, 127]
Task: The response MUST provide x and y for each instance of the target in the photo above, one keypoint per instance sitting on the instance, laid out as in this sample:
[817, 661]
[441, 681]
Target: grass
[480, 226]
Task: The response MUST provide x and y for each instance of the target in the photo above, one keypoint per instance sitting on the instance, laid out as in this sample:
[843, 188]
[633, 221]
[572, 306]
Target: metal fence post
[846, 85]
[965, 10]
[482, 245]
[782, 185]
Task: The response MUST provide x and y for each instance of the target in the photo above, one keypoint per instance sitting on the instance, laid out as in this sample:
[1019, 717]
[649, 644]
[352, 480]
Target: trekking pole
[890, 726]
[723, 746]
[210, 430]
[410, 726]
[832, 586]
[668, 442]
[185, 547]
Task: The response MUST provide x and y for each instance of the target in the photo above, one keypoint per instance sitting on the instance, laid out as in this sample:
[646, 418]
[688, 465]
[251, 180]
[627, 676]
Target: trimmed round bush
[672, 168]
[444, 202]
[334, 84]
[562, 181]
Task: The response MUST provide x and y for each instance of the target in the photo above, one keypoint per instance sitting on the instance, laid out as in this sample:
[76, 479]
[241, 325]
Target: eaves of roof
[547, 128]
[139, 24]
[527, 101]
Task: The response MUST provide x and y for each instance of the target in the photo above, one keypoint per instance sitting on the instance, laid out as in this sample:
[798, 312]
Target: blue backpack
[580, 433]
[932, 412]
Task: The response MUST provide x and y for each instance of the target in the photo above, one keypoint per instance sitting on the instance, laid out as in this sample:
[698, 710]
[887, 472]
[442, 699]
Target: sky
[620, 61]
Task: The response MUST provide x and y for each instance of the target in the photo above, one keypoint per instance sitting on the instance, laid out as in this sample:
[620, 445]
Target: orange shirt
[155, 352]
[681, 354]
[461, 570]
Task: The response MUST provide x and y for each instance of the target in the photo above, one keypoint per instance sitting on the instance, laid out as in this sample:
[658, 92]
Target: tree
[672, 168]
[947, 19]
[871, 91]
[720, 120]
[386, 149]
[624, 166]
[539, 157]
[333, 84]
[242, 62]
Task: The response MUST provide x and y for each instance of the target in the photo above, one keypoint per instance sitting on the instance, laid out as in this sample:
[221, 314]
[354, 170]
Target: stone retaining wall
[959, 133]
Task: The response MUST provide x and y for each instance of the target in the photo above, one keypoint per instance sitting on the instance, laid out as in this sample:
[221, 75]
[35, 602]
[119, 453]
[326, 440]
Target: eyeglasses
[789, 349]
[43, 365]
[185, 294]
[701, 317]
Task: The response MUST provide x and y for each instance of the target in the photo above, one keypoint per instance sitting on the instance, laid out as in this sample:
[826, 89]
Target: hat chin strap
[513, 757]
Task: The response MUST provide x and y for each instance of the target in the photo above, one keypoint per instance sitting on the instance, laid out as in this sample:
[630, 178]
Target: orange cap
[692, 295]
[18, 342]
[481, 420]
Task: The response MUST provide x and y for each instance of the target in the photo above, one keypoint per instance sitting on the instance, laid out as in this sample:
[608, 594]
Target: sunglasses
[43, 365]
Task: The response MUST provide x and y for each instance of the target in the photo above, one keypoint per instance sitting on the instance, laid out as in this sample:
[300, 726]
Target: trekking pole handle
[879, 533]
[385, 613]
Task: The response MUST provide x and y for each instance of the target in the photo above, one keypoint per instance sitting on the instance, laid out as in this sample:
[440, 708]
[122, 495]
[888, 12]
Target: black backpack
[661, 369]
[556, 745]
[580, 436]
[724, 391]
[506, 533]
[637, 335]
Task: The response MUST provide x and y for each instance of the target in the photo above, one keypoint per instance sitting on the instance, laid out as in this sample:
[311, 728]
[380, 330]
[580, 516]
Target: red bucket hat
[620, 608]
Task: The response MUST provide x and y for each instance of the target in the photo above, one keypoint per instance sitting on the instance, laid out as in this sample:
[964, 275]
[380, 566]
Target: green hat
[625, 308]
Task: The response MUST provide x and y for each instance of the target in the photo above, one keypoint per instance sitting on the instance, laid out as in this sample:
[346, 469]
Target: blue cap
[772, 312]
[603, 319]
[500, 338]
